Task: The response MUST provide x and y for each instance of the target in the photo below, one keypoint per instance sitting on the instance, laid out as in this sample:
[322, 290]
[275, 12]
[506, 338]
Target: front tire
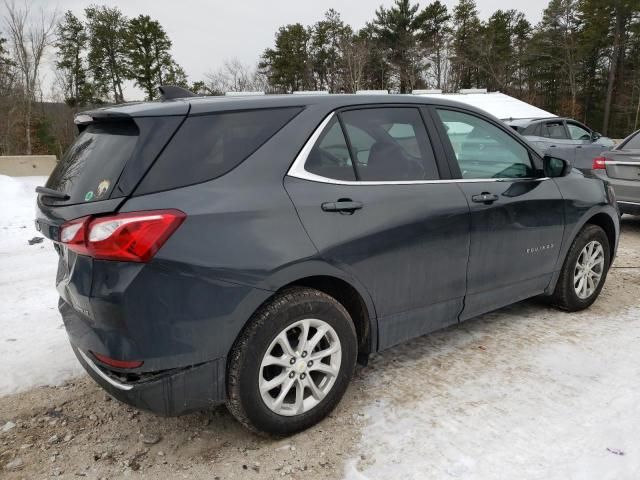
[292, 364]
[584, 271]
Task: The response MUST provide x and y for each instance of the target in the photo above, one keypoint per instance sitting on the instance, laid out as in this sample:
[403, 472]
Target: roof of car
[208, 104]
[525, 122]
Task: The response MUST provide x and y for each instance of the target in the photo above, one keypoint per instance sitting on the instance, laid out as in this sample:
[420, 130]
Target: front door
[373, 205]
[586, 148]
[517, 218]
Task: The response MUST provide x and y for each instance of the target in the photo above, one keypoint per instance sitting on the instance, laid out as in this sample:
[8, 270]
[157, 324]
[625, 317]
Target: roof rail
[433, 91]
[467, 91]
[372, 92]
[169, 92]
[311, 92]
[243, 94]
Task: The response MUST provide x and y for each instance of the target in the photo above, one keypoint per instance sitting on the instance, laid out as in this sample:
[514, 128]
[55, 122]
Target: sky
[207, 32]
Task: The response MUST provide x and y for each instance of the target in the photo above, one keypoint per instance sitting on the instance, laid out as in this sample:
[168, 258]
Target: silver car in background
[621, 168]
[563, 138]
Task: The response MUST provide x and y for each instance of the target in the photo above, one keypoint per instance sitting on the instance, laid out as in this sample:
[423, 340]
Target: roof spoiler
[170, 92]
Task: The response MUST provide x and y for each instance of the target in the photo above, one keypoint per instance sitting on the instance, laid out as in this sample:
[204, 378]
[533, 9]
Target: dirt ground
[76, 430]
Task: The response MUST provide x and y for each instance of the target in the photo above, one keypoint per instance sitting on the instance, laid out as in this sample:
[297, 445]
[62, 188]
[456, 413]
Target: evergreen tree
[397, 29]
[72, 40]
[465, 42]
[325, 53]
[287, 65]
[150, 63]
[108, 56]
[435, 28]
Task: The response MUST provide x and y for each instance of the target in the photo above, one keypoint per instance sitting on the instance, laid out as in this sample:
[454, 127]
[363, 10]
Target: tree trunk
[617, 47]
[27, 123]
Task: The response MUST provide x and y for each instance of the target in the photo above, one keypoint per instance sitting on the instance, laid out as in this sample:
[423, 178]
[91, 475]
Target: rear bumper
[169, 393]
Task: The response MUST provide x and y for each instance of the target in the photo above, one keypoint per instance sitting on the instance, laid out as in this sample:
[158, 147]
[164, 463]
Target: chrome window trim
[297, 169]
[101, 374]
[629, 203]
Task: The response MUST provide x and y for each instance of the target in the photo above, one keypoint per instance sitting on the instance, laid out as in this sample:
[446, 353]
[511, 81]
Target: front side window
[390, 144]
[483, 150]
[576, 132]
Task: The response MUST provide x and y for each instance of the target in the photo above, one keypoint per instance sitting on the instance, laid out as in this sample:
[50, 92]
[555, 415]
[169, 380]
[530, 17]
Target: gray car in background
[563, 138]
[621, 168]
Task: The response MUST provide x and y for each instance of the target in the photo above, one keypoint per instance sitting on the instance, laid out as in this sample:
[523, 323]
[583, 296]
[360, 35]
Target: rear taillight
[127, 237]
[599, 163]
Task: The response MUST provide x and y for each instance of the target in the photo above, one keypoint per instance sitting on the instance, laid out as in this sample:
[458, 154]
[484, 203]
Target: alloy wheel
[300, 367]
[589, 270]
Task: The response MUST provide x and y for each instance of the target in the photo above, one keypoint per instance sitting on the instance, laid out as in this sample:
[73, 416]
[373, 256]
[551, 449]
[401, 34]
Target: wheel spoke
[273, 383]
[283, 341]
[299, 405]
[324, 368]
[315, 391]
[304, 336]
[277, 403]
[279, 361]
[320, 332]
[320, 354]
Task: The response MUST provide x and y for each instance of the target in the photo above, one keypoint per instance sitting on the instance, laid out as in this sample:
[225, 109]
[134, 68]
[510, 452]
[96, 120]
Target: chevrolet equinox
[251, 250]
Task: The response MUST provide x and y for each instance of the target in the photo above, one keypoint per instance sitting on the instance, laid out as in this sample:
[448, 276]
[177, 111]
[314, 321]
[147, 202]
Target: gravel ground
[524, 392]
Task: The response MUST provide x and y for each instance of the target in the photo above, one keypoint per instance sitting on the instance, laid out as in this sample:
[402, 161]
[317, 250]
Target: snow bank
[559, 401]
[34, 349]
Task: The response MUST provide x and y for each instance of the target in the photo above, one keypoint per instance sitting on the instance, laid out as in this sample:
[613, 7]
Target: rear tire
[584, 271]
[292, 364]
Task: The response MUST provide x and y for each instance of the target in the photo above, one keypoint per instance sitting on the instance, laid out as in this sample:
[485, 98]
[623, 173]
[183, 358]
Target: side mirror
[555, 167]
[595, 136]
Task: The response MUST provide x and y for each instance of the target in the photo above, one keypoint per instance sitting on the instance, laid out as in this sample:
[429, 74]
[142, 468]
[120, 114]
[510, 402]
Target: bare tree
[29, 36]
[234, 76]
[355, 53]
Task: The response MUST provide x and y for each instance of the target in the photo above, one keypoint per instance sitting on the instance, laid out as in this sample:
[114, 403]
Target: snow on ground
[33, 344]
[526, 392]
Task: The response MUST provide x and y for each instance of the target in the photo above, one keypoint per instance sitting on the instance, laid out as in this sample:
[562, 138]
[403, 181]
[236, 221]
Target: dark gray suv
[252, 250]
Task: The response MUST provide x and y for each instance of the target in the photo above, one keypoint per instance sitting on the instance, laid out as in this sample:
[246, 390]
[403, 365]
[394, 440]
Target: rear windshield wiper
[49, 192]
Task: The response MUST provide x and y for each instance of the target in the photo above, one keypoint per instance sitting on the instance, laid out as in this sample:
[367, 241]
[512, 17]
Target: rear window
[208, 146]
[91, 167]
[633, 143]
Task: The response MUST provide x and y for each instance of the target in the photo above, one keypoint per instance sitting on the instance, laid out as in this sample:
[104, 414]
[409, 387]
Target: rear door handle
[485, 197]
[346, 206]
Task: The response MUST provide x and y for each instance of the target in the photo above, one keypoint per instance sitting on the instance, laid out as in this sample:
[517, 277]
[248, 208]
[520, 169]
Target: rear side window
[208, 146]
[92, 165]
[390, 144]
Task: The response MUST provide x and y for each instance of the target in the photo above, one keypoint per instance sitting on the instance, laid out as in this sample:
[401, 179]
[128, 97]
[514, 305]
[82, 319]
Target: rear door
[517, 218]
[368, 190]
[556, 140]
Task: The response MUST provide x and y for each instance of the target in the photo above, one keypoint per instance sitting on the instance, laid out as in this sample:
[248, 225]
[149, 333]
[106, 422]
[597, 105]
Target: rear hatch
[114, 150]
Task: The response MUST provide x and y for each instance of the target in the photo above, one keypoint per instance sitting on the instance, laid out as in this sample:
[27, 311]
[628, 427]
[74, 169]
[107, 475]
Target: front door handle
[342, 206]
[485, 197]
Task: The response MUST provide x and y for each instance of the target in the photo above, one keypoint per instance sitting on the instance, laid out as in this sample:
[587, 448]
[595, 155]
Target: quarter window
[483, 150]
[330, 157]
[390, 144]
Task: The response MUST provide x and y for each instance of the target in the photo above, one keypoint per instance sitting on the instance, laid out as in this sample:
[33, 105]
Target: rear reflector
[599, 163]
[117, 363]
[126, 237]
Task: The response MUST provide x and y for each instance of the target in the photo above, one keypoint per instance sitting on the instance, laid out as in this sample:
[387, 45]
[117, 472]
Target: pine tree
[435, 29]
[150, 63]
[72, 41]
[107, 29]
[287, 65]
[397, 27]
